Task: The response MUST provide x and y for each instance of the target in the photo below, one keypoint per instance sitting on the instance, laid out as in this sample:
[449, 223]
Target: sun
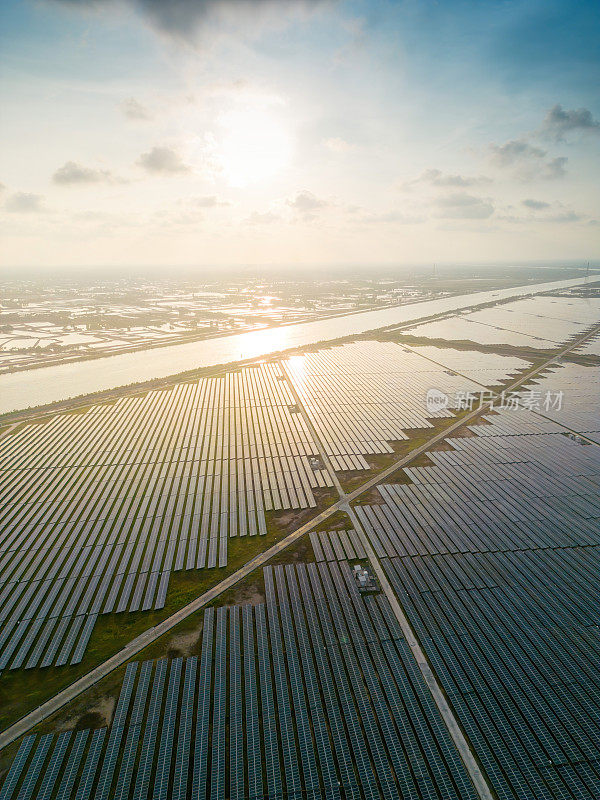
[255, 146]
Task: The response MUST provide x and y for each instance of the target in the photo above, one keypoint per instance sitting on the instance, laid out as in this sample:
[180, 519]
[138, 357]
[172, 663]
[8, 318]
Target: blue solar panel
[134, 733]
[146, 759]
[16, 768]
[84, 787]
[217, 779]
[307, 752]
[236, 733]
[200, 775]
[253, 749]
[52, 770]
[165, 750]
[284, 708]
[182, 759]
[269, 717]
[111, 755]
[69, 777]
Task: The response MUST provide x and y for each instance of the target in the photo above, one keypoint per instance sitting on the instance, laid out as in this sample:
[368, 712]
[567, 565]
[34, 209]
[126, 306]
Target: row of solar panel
[314, 694]
[499, 578]
[520, 674]
[95, 518]
[491, 493]
[98, 508]
[337, 546]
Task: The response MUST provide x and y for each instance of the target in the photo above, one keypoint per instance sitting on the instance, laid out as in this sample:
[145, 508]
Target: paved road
[124, 655]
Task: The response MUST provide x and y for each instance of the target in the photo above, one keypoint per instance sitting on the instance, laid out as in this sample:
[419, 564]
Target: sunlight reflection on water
[50, 384]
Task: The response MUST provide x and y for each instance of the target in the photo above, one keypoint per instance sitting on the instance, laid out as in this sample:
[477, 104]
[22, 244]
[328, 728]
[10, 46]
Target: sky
[207, 133]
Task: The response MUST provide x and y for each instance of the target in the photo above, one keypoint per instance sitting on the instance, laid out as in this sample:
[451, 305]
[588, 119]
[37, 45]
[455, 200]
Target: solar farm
[537, 322]
[494, 552]
[313, 694]
[484, 551]
[99, 508]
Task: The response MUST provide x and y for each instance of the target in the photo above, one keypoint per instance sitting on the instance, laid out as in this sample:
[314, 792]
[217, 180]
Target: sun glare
[254, 148]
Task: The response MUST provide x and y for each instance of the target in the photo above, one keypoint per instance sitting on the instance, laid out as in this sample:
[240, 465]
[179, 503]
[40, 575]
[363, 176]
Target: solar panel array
[539, 322]
[574, 398]
[337, 546]
[98, 508]
[362, 396]
[511, 486]
[487, 369]
[591, 346]
[314, 694]
[494, 553]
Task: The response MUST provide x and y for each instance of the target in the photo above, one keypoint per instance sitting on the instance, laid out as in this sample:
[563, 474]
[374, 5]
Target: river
[30, 388]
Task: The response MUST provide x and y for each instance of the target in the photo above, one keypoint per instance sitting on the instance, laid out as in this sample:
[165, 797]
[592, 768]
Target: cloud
[338, 145]
[182, 19]
[536, 205]
[306, 202]
[514, 151]
[24, 203]
[134, 110]
[397, 217]
[559, 121]
[2, 188]
[162, 161]
[528, 160]
[72, 173]
[555, 212]
[555, 168]
[566, 216]
[464, 206]
[436, 177]
[267, 218]
[208, 202]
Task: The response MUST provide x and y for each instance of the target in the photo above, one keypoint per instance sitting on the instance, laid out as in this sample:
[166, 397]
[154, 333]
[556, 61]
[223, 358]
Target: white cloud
[390, 217]
[305, 202]
[542, 212]
[436, 177]
[73, 173]
[529, 161]
[559, 121]
[24, 203]
[464, 206]
[536, 205]
[163, 161]
[134, 109]
[514, 151]
[266, 218]
[566, 216]
[555, 168]
[183, 19]
[209, 201]
[338, 145]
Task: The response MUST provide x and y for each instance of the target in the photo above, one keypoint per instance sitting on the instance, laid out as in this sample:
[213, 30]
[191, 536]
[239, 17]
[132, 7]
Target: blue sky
[298, 132]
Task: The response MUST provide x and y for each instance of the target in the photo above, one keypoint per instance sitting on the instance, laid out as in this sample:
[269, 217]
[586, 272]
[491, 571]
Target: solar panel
[84, 786]
[165, 750]
[16, 768]
[53, 768]
[200, 774]
[146, 757]
[69, 777]
[182, 757]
